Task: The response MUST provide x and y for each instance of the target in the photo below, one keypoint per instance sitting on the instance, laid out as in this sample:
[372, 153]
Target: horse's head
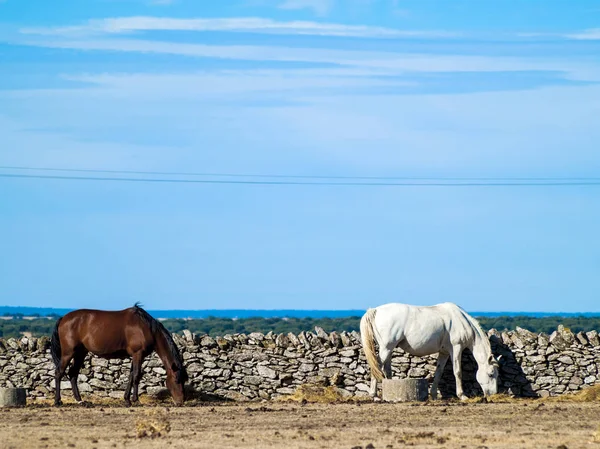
[176, 378]
[487, 376]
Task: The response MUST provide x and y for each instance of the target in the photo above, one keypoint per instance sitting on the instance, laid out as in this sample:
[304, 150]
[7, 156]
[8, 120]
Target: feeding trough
[404, 390]
[13, 397]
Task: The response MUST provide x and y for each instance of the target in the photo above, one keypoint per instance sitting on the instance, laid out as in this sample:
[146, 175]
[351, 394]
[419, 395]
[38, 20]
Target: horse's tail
[368, 341]
[55, 348]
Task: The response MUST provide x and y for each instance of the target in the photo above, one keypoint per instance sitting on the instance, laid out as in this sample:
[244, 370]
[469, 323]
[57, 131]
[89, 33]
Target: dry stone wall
[257, 366]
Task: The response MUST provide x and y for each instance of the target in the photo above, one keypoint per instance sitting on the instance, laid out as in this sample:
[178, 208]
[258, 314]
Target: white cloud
[591, 34]
[385, 62]
[246, 24]
[320, 7]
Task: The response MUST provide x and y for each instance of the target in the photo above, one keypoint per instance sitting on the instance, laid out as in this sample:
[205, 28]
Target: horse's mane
[474, 324]
[156, 327]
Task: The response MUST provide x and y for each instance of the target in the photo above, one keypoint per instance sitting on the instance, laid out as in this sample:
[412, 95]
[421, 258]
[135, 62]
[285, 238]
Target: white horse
[443, 328]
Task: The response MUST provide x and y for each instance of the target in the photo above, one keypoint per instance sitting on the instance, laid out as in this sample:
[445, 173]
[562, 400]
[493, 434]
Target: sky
[348, 88]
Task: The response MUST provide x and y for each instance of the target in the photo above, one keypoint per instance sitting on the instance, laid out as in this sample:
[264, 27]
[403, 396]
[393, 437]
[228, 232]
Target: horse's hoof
[463, 398]
[376, 399]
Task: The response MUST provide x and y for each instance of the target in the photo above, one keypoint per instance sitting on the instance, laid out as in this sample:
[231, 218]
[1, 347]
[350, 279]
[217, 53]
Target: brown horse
[126, 333]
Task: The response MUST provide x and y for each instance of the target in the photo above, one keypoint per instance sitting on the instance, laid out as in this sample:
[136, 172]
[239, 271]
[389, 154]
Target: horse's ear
[492, 360]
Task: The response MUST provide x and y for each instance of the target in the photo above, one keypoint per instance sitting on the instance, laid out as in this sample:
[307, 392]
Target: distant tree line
[221, 326]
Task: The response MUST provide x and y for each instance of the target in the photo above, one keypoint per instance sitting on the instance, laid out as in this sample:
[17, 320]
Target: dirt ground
[521, 424]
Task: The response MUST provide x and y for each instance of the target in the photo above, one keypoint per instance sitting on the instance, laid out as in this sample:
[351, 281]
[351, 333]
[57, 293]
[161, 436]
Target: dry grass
[154, 424]
[499, 398]
[591, 394]
[92, 399]
[315, 393]
[596, 436]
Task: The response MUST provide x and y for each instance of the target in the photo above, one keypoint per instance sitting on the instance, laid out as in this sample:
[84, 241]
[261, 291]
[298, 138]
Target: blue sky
[403, 88]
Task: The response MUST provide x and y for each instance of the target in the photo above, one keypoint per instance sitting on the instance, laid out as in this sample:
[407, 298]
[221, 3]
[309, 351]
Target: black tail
[55, 349]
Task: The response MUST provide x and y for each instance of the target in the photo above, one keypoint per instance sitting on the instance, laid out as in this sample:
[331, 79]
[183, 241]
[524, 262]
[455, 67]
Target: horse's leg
[373, 389]
[387, 364]
[456, 364]
[385, 361]
[129, 384]
[58, 374]
[441, 363]
[136, 364]
[78, 360]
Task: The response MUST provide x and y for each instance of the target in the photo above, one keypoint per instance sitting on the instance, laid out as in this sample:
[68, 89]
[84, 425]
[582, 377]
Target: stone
[592, 337]
[347, 353]
[100, 362]
[362, 387]
[416, 372]
[404, 390]
[188, 335]
[282, 341]
[565, 359]
[321, 333]
[335, 339]
[208, 342]
[589, 380]
[293, 339]
[253, 380]
[267, 372]
[307, 367]
[256, 336]
[285, 390]
[222, 342]
[582, 338]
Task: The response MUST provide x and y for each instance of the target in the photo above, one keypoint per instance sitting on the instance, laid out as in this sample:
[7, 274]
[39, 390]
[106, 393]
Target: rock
[345, 339]
[347, 353]
[267, 372]
[565, 359]
[592, 337]
[253, 380]
[188, 336]
[562, 338]
[208, 342]
[293, 339]
[307, 367]
[303, 339]
[285, 390]
[335, 340]
[321, 333]
[282, 341]
[416, 372]
[256, 336]
[581, 338]
[99, 362]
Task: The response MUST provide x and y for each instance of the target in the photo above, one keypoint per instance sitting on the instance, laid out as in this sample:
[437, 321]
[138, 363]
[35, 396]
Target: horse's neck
[481, 350]
[162, 350]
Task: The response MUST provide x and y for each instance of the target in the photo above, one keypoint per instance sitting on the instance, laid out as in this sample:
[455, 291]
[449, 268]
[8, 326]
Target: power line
[307, 177]
[466, 182]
